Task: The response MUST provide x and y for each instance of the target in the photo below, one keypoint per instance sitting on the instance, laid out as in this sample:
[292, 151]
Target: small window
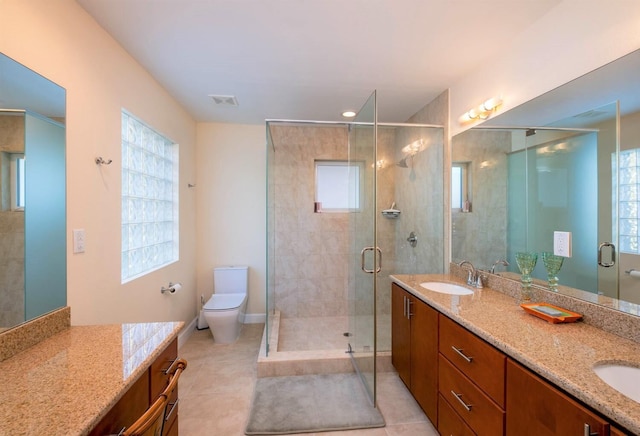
[149, 199]
[17, 173]
[460, 186]
[338, 185]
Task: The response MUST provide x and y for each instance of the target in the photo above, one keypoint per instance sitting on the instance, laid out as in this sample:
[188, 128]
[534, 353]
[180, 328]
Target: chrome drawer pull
[173, 406]
[464, 356]
[587, 431]
[459, 398]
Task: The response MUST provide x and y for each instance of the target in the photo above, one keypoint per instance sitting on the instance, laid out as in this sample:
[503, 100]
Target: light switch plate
[562, 244]
[78, 240]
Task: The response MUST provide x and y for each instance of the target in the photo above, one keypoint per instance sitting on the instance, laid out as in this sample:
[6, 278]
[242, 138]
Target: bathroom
[85, 60]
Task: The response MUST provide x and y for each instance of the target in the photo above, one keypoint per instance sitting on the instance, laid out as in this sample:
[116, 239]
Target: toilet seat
[219, 302]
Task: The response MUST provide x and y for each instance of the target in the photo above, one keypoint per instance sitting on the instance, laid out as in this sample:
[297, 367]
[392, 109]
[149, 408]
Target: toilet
[224, 312]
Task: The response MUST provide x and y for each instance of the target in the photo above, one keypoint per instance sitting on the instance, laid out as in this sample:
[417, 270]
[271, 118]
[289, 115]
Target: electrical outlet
[78, 240]
[562, 244]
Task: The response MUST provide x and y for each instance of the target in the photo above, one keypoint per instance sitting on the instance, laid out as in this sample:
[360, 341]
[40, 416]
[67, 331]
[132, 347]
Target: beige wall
[60, 41]
[231, 197]
[575, 37]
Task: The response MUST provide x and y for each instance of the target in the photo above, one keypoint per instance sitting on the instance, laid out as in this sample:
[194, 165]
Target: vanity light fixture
[481, 112]
[348, 114]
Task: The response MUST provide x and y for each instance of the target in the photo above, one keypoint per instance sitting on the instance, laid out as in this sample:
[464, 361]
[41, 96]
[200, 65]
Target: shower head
[405, 162]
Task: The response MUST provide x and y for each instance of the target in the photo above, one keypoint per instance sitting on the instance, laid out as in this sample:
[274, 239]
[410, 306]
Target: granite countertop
[564, 354]
[65, 384]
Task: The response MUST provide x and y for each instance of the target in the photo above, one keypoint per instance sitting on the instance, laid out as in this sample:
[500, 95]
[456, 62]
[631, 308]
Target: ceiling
[312, 59]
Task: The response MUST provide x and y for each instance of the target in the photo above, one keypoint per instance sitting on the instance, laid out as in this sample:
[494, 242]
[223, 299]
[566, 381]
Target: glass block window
[628, 210]
[149, 199]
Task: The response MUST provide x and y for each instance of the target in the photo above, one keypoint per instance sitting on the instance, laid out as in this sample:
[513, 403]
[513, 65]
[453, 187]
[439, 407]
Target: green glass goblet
[552, 263]
[526, 263]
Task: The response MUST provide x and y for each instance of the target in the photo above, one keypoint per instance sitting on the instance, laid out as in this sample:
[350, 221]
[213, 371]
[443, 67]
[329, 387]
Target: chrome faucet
[474, 278]
[498, 262]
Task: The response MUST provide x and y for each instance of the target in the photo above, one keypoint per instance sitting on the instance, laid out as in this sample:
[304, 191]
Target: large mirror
[33, 272]
[565, 161]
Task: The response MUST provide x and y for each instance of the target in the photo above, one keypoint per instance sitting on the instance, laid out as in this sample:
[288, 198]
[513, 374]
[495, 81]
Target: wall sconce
[380, 164]
[481, 112]
[414, 147]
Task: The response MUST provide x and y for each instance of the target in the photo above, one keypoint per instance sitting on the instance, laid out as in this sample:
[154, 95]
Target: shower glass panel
[364, 257]
[270, 297]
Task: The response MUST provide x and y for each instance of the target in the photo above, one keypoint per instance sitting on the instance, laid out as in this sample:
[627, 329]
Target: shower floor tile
[314, 333]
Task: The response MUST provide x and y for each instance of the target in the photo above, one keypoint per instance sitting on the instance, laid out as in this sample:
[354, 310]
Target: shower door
[364, 255]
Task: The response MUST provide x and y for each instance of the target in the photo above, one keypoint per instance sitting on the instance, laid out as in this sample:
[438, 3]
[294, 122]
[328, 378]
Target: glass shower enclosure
[328, 263]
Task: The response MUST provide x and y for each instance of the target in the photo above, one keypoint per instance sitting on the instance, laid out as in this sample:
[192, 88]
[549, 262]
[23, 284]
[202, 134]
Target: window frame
[150, 238]
[359, 179]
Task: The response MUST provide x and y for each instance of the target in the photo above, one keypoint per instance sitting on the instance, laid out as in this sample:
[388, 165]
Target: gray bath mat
[311, 403]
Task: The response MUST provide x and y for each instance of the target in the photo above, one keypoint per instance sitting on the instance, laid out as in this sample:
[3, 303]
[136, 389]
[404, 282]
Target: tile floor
[217, 387]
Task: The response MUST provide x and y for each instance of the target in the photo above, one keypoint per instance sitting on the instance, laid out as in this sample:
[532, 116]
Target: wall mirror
[564, 161]
[33, 271]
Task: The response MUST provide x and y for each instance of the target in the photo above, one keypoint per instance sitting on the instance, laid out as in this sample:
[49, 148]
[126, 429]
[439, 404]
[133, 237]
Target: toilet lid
[224, 301]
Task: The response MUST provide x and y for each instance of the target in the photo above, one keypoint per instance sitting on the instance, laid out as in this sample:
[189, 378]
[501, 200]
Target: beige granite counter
[65, 384]
[564, 354]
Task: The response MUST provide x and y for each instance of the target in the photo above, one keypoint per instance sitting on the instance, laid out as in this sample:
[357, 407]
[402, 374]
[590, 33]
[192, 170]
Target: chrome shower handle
[379, 258]
[613, 255]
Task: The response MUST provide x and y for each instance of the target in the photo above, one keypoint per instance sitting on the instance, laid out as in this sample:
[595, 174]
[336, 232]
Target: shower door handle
[379, 259]
[613, 255]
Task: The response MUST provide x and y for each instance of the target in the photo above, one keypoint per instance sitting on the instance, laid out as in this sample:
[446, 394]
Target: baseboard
[186, 332]
[255, 318]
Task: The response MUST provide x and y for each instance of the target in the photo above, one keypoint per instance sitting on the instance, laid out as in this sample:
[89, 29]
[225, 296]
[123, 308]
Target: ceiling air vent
[224, 100]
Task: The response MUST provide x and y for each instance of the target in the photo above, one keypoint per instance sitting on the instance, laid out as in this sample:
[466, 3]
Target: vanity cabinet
[536, 407]
[471, 379]
[414, 348]
[140, 396]
[159, 380]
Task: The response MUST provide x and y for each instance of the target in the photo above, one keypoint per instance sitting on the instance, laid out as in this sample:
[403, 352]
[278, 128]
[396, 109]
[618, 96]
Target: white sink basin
[623, 378]
[446, 288]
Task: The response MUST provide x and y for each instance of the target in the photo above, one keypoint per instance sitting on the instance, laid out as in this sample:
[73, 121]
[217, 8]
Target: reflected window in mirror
[460, 193]
[17, 181]
[629, 210]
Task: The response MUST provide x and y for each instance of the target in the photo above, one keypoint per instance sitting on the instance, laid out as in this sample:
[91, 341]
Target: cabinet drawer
[159, 379]
[536, 407]
[482, 414]
[449, 423]
[479, 361]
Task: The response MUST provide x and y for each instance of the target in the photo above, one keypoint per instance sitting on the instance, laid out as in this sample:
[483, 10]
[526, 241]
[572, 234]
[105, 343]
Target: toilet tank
[230, 279]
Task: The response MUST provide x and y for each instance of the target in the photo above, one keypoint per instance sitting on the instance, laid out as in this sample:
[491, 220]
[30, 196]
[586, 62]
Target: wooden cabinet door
[127, 410]
[400, 334]
[424, 357]
[449, 422]
[534, 407]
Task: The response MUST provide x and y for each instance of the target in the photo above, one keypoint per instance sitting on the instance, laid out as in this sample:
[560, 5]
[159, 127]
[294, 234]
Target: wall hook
[100, 161]
[191, 185]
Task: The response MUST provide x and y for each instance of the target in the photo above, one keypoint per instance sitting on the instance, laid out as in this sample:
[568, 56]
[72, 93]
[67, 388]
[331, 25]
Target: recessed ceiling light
[348, 114]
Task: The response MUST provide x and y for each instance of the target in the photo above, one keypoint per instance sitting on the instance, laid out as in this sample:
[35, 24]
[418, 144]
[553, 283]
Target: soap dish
[550, 313]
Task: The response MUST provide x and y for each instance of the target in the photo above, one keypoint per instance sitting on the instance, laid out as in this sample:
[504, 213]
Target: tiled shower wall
[11, 228]
[310, 252]
[480, 235]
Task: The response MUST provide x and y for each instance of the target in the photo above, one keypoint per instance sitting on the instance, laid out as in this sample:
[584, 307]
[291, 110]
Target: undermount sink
[624, 378]
[446, 288]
